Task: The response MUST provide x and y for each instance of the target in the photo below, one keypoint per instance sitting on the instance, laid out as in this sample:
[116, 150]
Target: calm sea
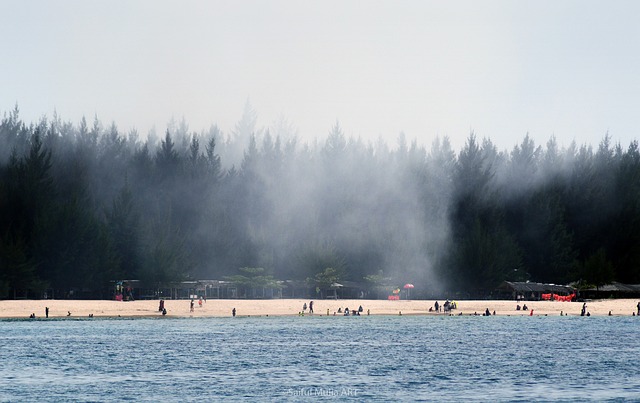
[376, 358]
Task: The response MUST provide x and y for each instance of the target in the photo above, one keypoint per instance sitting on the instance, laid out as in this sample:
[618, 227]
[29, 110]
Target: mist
[83, 203]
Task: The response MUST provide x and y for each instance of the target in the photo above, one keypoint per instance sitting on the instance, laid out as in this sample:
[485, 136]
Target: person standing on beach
[233, 312]
[191, 308]
[437, 307]
[46, 311]
[311, 306]
[638, 308]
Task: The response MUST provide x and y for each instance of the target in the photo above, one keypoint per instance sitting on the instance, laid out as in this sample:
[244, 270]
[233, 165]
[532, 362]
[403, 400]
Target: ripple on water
[367, 358]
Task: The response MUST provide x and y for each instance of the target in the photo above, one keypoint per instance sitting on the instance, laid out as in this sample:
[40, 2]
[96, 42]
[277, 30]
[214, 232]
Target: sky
[500, 69]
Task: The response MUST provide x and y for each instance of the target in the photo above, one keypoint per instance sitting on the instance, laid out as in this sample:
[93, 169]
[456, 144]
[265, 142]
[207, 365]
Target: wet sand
[280, 307]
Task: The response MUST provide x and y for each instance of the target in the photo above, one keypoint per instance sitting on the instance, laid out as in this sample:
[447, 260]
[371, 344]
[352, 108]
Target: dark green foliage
[122, 223]
[597, 269]
[82, 206]
[328, 278]
[165, 258]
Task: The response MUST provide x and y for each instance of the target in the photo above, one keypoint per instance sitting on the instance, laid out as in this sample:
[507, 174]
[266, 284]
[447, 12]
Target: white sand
[274, 307]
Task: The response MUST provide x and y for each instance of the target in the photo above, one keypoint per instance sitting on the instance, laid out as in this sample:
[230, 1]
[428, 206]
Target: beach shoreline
[292, 307]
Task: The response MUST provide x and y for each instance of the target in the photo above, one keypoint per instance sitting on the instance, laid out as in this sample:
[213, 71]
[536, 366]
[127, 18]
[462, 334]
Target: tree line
[83, 204]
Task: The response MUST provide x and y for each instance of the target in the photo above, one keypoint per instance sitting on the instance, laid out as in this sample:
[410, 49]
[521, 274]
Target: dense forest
[82, 204]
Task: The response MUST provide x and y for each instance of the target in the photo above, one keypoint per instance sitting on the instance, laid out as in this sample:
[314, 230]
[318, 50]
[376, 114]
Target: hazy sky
[428, 68]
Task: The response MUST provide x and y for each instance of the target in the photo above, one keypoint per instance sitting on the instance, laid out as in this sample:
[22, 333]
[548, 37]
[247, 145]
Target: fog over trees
[83, 203]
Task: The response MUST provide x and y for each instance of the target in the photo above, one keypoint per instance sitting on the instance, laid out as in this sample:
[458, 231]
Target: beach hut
[612, 290]
[529, 291]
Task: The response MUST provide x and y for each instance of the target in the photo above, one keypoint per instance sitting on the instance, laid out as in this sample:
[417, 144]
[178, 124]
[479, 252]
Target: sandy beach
[280, 307]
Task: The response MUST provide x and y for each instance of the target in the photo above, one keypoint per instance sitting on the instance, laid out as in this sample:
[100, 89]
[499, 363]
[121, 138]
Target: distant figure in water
[32, 316]
[46, 311]
[91, 315]
[233, 312]
[588, 313]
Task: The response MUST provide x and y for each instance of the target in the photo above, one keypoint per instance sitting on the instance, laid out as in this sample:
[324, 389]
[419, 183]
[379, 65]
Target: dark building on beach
[130, 290]
[528, 291]
[613, 290]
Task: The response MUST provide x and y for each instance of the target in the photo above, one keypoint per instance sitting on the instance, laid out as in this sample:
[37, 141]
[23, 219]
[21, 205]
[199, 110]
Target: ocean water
[366, 358]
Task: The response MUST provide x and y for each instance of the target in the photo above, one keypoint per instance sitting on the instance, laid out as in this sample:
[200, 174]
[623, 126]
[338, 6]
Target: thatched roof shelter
[615, 289]
[529, 290]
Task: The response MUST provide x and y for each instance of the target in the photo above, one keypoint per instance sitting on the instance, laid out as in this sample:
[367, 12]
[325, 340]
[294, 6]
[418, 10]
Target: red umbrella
[408, 287]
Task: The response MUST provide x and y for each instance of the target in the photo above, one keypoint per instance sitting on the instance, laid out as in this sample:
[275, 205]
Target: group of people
[485, 313]
[349, 312]
[447, 306]
[304, 307]
[192, 305]
[584, 312]
[46, 313]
